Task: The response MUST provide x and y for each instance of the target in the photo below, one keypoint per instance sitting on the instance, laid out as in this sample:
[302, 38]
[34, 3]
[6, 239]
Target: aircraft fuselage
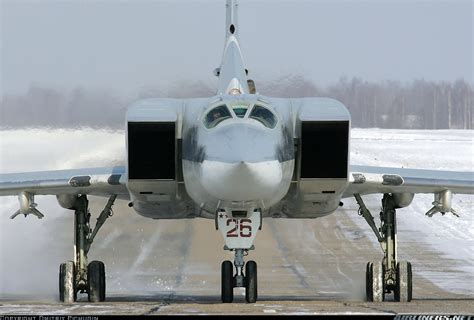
[242, 163]
[236, 153]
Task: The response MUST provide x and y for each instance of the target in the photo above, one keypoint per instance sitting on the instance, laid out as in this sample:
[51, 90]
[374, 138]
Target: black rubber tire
[377, 283]
[67, 287]
[368, 281]
[227, 282]
[404, 286]
[251, 282]
[96, 281]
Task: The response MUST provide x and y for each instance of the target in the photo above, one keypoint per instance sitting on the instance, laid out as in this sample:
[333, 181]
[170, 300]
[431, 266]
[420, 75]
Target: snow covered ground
[40, 149]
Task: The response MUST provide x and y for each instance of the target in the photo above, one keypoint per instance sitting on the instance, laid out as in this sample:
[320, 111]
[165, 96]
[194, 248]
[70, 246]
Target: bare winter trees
[419, 104]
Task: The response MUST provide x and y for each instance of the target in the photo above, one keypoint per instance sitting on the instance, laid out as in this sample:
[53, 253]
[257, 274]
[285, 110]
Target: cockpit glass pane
[217, 115]
[240, 110]
[263, 115]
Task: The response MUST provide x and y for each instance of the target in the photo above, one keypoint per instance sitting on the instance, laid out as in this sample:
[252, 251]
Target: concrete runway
[173, 267]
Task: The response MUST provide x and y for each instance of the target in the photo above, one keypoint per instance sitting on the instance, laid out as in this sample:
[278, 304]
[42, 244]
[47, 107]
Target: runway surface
[304, 266]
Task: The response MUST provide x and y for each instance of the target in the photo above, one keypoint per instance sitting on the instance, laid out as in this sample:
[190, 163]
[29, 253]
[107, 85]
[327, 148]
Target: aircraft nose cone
[236, 143]
[241, 181]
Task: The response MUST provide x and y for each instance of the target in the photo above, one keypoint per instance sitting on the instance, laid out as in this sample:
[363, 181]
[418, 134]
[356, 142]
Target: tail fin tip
[231, 17]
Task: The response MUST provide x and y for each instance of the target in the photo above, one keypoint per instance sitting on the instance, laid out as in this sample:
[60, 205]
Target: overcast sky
[125, 46]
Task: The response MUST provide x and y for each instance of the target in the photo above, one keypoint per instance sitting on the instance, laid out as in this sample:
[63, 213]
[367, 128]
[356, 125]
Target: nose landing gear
[247, 280]
[239, 234]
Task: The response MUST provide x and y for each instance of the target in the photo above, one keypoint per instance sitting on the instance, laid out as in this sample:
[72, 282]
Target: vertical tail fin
[232, 74]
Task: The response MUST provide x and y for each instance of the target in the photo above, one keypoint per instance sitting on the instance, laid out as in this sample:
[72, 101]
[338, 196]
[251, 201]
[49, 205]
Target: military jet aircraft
[236, 157]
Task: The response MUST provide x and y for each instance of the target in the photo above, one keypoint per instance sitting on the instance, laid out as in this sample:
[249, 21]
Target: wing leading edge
[93, 181]
[368, 180]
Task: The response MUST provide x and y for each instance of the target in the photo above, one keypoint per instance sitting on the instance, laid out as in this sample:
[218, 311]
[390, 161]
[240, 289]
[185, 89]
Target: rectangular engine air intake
[151, 150]
[324, 149]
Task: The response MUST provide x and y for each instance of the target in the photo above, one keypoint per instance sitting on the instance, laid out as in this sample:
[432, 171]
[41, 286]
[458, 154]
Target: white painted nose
[241, 181]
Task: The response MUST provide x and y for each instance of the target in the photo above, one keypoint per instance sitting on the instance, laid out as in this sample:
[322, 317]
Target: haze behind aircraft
[236, 158]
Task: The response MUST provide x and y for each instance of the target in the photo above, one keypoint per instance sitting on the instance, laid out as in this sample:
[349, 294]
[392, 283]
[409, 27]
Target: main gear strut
[79, 275]
[389, 275]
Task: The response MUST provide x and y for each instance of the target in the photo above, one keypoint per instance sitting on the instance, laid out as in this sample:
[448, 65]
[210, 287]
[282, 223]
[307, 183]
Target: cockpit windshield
[216, 115]
[265, 116]
[240, 110]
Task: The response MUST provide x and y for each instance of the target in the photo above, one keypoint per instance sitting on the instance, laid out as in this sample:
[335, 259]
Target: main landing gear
[239, 234]
[79, 275]
[389, 275]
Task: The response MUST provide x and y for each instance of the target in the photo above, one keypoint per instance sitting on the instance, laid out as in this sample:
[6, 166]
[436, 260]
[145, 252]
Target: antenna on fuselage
[232, 73]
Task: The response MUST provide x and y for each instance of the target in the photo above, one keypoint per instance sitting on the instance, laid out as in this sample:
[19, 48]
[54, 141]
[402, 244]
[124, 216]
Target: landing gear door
[238, 233]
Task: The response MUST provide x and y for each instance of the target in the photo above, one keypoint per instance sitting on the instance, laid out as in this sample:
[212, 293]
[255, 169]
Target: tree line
[419, 104]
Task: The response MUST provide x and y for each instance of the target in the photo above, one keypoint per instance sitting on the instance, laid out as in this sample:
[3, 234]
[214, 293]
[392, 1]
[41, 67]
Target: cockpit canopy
[263, 115]
[222, 112]
[216, 116]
